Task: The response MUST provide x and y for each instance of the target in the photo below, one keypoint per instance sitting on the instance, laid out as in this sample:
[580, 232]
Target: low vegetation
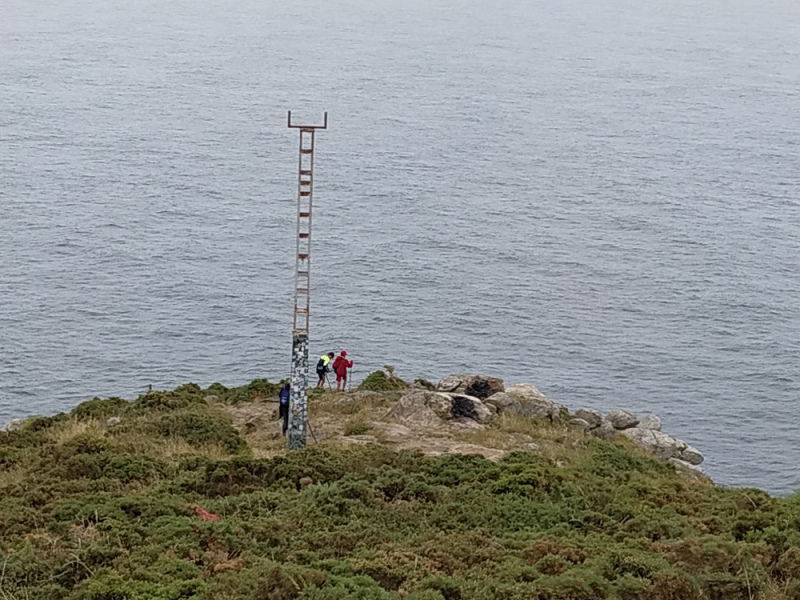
[162, 498]
[379, 381]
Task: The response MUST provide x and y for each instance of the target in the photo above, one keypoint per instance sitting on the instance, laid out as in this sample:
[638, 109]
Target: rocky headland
[465, 489]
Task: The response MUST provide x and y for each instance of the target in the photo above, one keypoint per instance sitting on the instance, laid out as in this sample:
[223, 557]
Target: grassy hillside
[92, 511]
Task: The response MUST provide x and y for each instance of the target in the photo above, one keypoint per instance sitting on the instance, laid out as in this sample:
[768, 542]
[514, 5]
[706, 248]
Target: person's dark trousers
[283, 411]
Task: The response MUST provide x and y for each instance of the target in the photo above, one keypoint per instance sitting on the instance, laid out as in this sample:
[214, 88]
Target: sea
[599, 197]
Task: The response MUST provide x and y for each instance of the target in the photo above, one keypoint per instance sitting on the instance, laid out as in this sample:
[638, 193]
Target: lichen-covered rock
[472, 408]
[533, 403]
[413, 408]
[578, 424]
[441, 404]
[13, 425]
[536, 409]
[525, 391]
[662, 445]
[651, 422]
[456, 382]
[605, 431]
[691, 456]
[622, 419]
[477, 386]
[592, 417]
[483, 386]
[429, 409]
[682, 464]
[504, 403]
[467, 423]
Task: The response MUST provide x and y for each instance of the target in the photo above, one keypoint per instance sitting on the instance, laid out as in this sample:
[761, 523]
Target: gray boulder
[483, 386]
[477, 386]
[471, 408]
[651, 422]
[413, 408]
[13, 425]
[111, 421]
[429, 409]
[682, 464]
[533, 403]
[663, 446]
[538, 409]
[457, 382]
[504, 403]
[578, 424]
[691, 456]
[525, 391]
[606, 431]
[441, 404]
[592, 417]
[622, 419]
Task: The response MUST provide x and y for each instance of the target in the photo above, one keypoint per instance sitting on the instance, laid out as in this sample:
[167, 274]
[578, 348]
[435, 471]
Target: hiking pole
[312, 432]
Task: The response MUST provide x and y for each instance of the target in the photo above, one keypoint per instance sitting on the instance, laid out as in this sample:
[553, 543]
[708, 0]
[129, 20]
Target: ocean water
[596, 196]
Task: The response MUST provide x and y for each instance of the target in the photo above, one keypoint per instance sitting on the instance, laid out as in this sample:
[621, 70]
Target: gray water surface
[599, 197]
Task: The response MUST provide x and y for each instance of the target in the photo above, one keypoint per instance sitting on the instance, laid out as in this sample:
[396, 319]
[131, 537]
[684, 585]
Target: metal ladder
[302, 285]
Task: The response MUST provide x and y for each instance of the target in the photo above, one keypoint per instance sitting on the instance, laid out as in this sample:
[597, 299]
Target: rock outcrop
[13, 425]
[478, 386]
[663, 446]
[622, 419]
[504, 403]
[651, 422]
[534, 403]
[471, 408]
[526, 391]
[592, 418]
[415, 408]
[482, 387]
[429, 409]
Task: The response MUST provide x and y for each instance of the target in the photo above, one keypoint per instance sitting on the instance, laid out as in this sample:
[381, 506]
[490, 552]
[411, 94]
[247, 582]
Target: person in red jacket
[340, 366]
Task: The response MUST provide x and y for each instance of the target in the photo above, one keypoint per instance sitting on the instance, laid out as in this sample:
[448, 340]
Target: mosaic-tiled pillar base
[298, 415]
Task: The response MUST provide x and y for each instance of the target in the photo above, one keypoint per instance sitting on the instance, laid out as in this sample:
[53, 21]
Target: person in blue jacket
[283, 410]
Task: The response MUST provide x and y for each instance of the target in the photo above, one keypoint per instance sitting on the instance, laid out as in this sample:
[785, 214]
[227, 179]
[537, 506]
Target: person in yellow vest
[323, 367]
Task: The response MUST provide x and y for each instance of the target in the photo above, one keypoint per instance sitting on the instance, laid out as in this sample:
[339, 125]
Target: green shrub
[216, 389]
[201, 428]
[100, 408]
[284, 582]
[182, 397]
[258, 389]
[425, 383]
[122, 467]
[379, 381]
[35, 424]
[89, 442]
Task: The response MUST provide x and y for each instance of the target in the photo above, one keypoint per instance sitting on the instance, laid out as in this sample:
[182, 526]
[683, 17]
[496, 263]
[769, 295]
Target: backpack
[320, 364]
